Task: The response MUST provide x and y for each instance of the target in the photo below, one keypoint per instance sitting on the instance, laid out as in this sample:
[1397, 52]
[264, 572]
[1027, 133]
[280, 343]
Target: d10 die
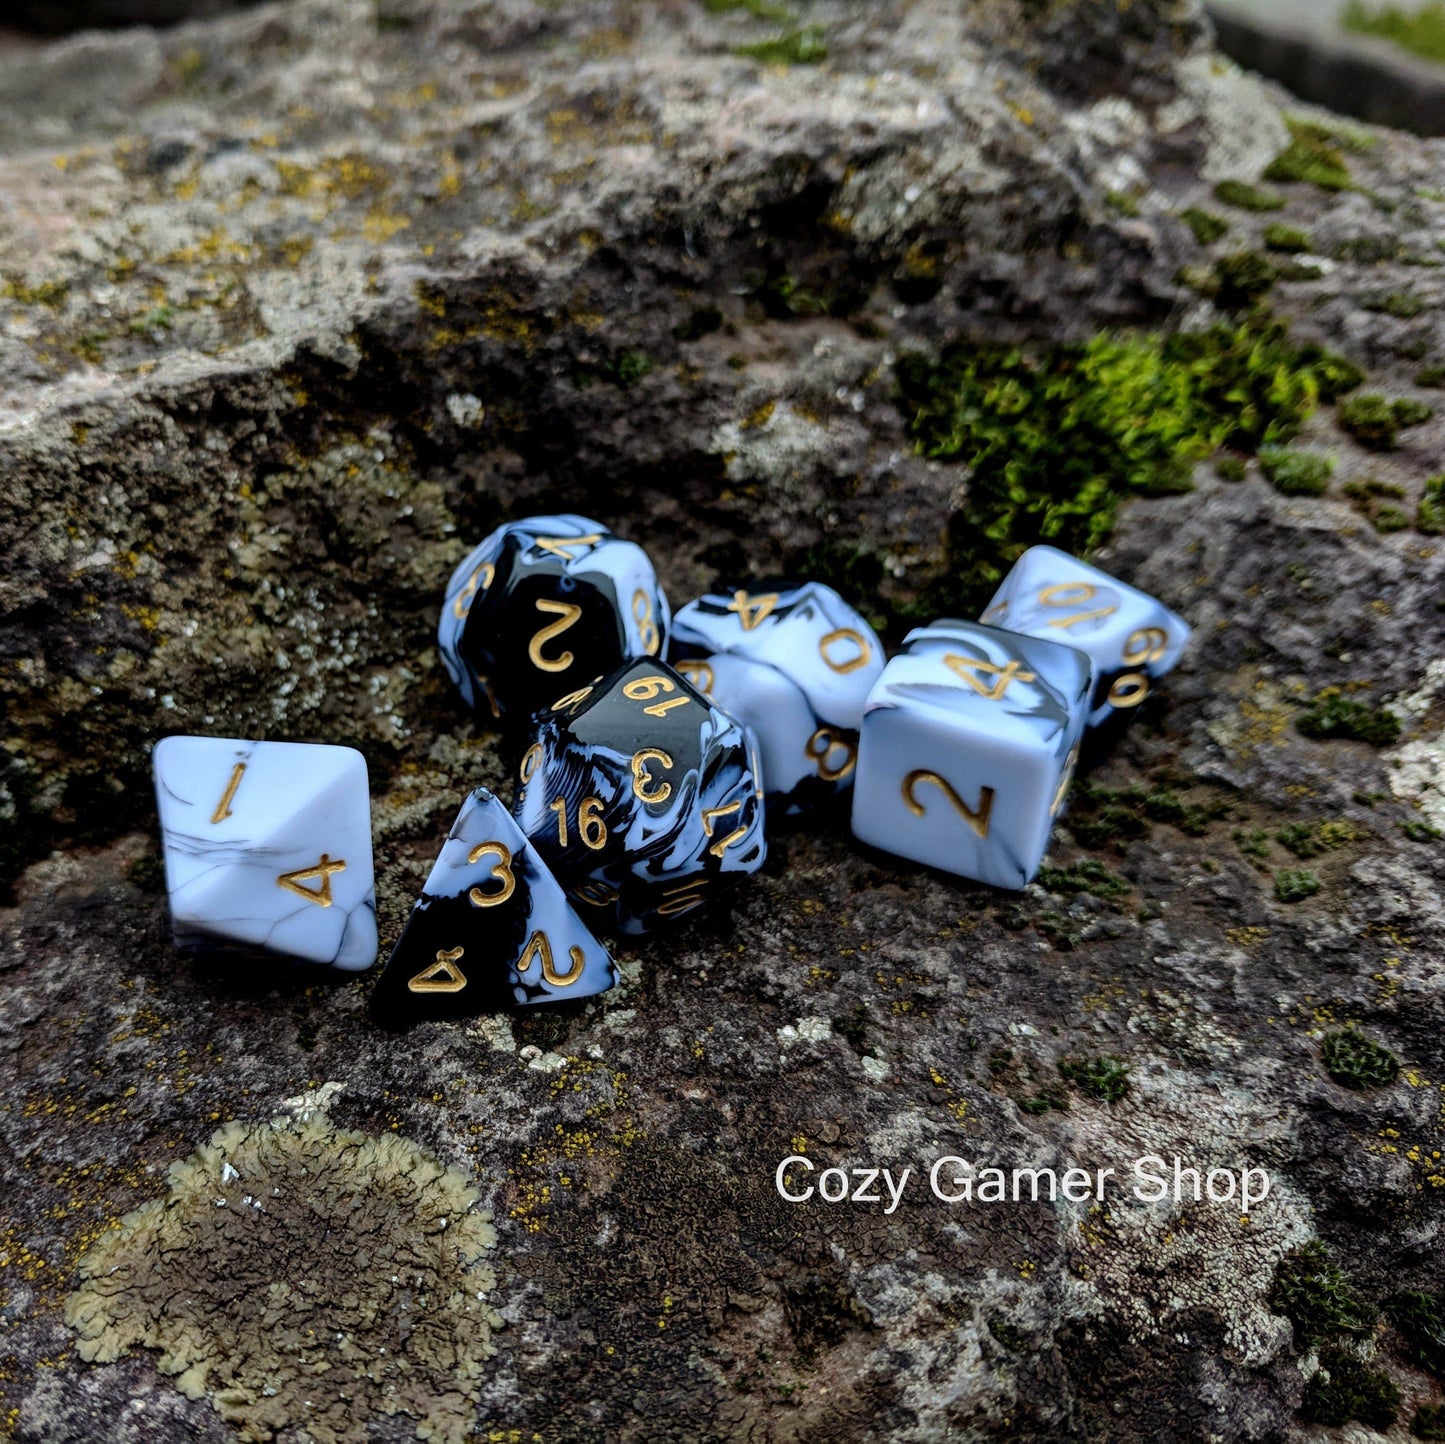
[967, 749]
[642, 797]
[1132, 639]
[268, 847]
[544, 605]
[492, 929]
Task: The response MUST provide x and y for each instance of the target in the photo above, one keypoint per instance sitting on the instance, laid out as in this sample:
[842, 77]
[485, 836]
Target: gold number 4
[292, 881]
[973, 669]
[442, 976]
[977, 818]
[752, 610]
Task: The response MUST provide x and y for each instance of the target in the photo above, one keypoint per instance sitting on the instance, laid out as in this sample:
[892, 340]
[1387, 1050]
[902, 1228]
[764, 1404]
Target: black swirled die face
[643, 797]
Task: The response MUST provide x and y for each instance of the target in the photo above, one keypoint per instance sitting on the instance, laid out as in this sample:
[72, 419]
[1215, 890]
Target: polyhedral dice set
[645, 788]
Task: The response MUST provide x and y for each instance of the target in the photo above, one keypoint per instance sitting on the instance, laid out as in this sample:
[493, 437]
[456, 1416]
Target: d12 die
[268, 847]
[642, 797]
[1132, 639]
[967, 749]
[492, 929]
[804, 760]
[543, 605]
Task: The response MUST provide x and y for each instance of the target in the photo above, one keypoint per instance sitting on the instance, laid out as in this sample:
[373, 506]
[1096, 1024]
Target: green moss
[1296, 472]
[1253, 842]
[1371, 420]
[1431, 377]
[758, 9]
[1333, 715]
[1429, 1422]
[1245, 197]
[702, 321]
[1379, 501]
[1295, 885]
[1346, 1388]
[1430, 513]
[1354, 1061]
[1417, 28]
[806, 46]
[1105, 1078]
[1418, 831]
[1231, 468]
[1400, 304]
[1099, 816]
[1407, 411]
[1241, 279]
[1207, 227]
[1390, 518]
[1312, 157]
[1310, 1290]
[1420, 1317]
[1042, 1103]
[1313, 839]
[1086, 876]
[1289, 239]
[1126, 203]
[147, 873]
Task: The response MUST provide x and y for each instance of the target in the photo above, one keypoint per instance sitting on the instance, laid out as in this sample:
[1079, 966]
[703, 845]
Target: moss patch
[1313, 157]
[1376, 422]
[1207, 227]
[1311, 1291]
[1430, 513]
[303, 1277]
[1297, 472]
[1420, 1317]
[806, 46]
[1334, 715]
[1313, 839]
[1429, 1422]
[1245, 197]
[1295, 884]
[1287, 239]
[1347, 1388]
[1354, 1061]
[1417, 28]
[1105, 1078]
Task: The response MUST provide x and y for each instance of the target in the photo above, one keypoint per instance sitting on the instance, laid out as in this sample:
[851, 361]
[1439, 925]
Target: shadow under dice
[642, 798]
[967, 749]
[1132, 638]
[794, 663]
[542, 606]
[491, 930]
[267, 848]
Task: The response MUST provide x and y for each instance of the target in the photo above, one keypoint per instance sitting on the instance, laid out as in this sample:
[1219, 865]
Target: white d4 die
[967, 749]
[795, 664]
[1132, 638]
[268, 847]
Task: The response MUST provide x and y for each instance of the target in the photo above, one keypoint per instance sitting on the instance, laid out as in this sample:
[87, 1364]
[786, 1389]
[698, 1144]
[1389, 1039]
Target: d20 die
[268, 847]
[643, 798]
[543, 605]
[804, 630]
[967, 749]
[492, 929]
[805, 761]
[1132, 639]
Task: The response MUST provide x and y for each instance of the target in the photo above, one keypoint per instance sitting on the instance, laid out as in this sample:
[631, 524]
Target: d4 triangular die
[268, 847]
[492, 929]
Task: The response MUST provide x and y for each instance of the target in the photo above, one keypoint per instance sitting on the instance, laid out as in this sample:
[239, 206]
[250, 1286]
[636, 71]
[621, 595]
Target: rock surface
[297, 304]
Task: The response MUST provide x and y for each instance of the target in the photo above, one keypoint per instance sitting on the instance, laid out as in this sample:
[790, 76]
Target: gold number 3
[658, 791]
[977, 818]
[501, 871]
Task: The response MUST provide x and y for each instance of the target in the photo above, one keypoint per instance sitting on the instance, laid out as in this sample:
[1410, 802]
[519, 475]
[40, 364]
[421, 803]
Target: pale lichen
[298, 1275]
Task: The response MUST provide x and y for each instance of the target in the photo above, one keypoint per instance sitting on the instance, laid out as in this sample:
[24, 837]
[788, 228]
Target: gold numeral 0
[646, 787]
[977, 818]
[848, 664]
[1129, 690]
[531, 761]
[570, 613]
[501, 871]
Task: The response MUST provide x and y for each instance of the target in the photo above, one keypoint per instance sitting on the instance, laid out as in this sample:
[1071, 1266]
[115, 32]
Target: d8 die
[795, 663]
[967, 748]
[1132, 639]
[268, 848]
[492, 929]
[544, 605]
[642, 797]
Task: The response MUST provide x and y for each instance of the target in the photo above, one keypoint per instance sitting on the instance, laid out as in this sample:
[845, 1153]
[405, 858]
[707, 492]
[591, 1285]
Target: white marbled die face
[967, 749]
[268, 846]
[1132, 639]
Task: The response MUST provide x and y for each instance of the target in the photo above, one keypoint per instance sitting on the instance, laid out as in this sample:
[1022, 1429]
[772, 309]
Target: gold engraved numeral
[442, 976]
[658, 708]
[709, 814]
[994, 613]
[1071, 594]
[976, 818]
[1064, 780]
[699, 674]
[973, 669]
[570, 614]
[572, 699]
[501, 872]
[485, 683]
[321, 896]
[643, 689]
[646, 623]
[822, 746]
[860, 658]
[531, 761]
[223, 807]
[558, 545]
[538, 946]
[560, 808]
[595, 892]
[1129, 690]
[752, 610]
[589, 822]
[646, 787]
[683, 898]
[462, 602]
[1148, 644]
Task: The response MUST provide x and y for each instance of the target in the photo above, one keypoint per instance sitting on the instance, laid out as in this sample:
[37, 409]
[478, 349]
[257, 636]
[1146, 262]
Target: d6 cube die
[967, 748]
[793, 662]
[544, 605]
[643, 798]
[1132, 639]
[492, 929]
[268, 848]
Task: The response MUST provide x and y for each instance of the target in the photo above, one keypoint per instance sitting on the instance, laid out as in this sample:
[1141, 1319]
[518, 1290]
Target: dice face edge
[267, 849]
